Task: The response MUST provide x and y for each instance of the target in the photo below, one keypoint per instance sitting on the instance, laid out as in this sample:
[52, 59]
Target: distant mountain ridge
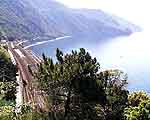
[31, 18]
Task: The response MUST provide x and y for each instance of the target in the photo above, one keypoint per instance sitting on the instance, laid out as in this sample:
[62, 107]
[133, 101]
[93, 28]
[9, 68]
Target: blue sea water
[124, 53]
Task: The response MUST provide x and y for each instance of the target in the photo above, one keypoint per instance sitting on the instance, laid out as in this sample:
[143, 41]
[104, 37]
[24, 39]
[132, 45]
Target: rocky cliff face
[28, 19]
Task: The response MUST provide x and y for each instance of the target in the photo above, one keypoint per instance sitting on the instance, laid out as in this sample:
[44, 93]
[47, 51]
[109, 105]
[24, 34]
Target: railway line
[23, 59]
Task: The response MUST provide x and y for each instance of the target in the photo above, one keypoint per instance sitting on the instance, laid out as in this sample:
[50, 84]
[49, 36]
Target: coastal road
[24, 59]
[47, 41]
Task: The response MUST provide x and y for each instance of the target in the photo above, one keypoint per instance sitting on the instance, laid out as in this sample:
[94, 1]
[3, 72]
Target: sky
[134, 50]
[136, 11]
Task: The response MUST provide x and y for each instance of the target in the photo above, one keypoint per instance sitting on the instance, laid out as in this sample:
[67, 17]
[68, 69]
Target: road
[24, 58]
[47, 41]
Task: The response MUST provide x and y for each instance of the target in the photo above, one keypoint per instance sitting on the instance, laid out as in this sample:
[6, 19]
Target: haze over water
[130, 54]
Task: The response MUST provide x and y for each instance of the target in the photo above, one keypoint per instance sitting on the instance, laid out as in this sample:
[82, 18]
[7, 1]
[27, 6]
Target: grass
[4, 53]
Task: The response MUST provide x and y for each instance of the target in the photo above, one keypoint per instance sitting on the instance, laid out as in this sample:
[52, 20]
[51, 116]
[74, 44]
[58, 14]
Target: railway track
[24, 58]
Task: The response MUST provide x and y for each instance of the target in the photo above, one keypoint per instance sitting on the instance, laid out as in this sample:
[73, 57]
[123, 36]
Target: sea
[130, 54]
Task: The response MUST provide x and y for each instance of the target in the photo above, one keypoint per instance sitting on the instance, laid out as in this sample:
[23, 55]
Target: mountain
[19, 19]
[32, 18]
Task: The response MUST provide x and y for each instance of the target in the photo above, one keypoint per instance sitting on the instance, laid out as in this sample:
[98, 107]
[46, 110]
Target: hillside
[27, 19]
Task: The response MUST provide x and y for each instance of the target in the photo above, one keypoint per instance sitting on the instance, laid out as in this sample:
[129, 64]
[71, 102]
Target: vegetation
[139, 106]
[7, 76]
[77, 89]
[4, 54]
[7, 84]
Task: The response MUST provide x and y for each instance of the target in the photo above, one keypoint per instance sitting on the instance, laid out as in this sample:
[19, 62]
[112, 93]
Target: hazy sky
[136, 11]
[135, 49]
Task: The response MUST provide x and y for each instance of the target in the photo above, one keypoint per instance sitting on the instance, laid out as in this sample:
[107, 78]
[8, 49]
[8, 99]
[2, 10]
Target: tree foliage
[135, 98]
[139, 106]
[114, 82]
[77, 88]
[7, 85]
[7, 76]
